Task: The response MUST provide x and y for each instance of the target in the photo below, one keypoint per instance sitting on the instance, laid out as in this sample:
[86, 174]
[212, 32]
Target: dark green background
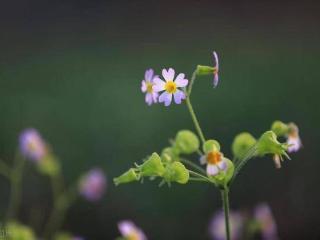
[72, 69]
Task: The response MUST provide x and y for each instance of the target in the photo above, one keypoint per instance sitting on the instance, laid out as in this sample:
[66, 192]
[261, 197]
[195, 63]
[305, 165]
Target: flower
[93, 184]
[147, 87]
[130, 231]
[293, 138]
[215, 162]
[216, 69]
[217, 226]
[170, 86]
[32, 145]
[264, 217]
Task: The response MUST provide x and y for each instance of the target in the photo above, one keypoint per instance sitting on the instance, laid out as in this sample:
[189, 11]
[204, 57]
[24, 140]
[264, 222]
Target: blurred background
[72, 69]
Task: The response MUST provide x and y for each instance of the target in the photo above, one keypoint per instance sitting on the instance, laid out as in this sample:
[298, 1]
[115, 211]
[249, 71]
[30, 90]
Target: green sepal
[268, 144]
[242, 143]
[280, 129]
[223, 178]
[211, 145]
[128, 176]
[152, 167]
[186, 142]
[205, 70]
[49, 165]
[176, 172]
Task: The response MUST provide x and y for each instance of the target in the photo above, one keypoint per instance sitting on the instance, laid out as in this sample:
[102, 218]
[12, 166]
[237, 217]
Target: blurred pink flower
[130, 231]
[147, 87]
[92, 185]
[264, 217]
[217, 229]
[32, 146]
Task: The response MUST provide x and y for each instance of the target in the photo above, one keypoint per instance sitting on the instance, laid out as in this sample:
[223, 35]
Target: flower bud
[205, 70]
[49, 166]
[268, 144]
[279, 128]
[186, 142]
[152, 167]
[242, 143]
[211, 145]
[128, 176]
[176, 172]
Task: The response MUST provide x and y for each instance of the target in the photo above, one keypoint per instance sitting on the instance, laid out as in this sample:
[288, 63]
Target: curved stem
[201, 176]
[226, 209]
[195, 166]
[15, 195]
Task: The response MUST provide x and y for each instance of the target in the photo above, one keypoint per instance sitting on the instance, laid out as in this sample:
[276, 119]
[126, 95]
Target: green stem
[15, 195]
[226, 209]
[196, 179]
[61, 205]
[195, 120]
[201, 176]
[195, 166]
[190, 108]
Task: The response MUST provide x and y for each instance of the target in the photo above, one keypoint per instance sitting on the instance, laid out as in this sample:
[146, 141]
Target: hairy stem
[225, 202]
[193, 165]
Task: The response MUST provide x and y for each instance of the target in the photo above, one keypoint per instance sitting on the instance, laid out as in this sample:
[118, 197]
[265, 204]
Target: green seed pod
[242, 143]
[205, 70]
[128, 176]
[152, 167]
[176, 172]
[268, 144]
[280, 129]
[211, 145]
[186, 142]
[49, 166]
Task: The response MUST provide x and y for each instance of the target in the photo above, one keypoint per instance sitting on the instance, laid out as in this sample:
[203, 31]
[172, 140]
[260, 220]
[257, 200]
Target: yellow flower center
[171, 87]
[149, 87]
[214, 157]
[133, 236]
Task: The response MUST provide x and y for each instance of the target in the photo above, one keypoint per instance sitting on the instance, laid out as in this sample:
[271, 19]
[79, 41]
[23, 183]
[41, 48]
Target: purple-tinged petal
[178, 96]
[155, 96]
[166, 98]
[222, 165]
[143, 86]
[159, 85]
[168, 75]
[149, 98]
[212, 170]
[216, 59]
[294, 144]
[148, 75]
[181, 81]
[215, 80]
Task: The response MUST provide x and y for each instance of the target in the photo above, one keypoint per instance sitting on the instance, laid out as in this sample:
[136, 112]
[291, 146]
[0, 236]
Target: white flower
[170, 87]
[215, 162]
